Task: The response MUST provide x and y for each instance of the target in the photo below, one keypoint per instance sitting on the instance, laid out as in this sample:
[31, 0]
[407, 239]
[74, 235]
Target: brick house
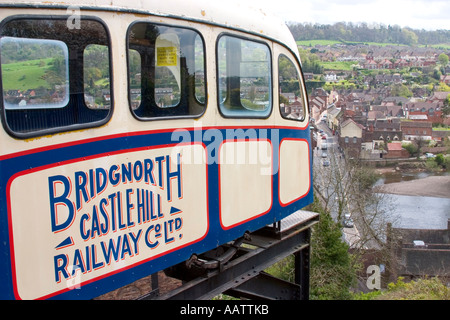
[416, 130]
[395, 151]
[351, 137]
[433, 110]
[319, 99]
[387, 130]
[438, 96]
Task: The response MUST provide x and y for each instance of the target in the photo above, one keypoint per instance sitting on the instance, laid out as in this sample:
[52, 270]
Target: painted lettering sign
[97, 216]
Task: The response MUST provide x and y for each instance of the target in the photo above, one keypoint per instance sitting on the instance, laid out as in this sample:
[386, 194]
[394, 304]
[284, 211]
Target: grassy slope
[25, 75]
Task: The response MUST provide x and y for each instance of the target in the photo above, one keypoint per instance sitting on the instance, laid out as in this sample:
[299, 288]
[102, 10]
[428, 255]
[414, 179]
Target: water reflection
[398, 176]
[415, 212]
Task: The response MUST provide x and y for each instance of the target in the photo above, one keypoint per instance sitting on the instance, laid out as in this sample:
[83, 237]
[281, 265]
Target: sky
[416, 14]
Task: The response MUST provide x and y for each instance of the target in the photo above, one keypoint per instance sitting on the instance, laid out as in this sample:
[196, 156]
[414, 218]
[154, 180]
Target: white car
[348, 221]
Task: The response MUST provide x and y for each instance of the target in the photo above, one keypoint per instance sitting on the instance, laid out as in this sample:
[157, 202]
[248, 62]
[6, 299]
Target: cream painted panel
[245, 181]
[294, 173]
[155, 212]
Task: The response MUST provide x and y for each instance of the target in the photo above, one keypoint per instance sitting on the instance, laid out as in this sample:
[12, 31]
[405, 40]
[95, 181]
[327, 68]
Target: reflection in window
[199, 68]
[53, 79]
[244, 72]
[291, 100]
[134, 76]
[97, 87]
[34, 73]
[166, 71]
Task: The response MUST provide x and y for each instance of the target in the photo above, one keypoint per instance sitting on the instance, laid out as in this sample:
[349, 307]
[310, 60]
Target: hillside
[363, 33]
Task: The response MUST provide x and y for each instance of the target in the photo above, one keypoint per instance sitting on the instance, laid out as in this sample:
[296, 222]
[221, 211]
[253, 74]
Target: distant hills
[362, 32]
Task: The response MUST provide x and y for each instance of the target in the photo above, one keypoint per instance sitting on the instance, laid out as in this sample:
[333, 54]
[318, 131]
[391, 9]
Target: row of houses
[385, 57]
[372, 63]
[377, 130]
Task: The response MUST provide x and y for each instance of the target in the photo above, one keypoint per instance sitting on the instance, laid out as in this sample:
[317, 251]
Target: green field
[312, 43]
[338, 65]
[444, 46]
[26, 74]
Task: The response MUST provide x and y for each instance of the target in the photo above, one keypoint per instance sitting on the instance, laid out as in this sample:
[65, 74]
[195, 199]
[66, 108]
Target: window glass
[244, 77]
[134, 76]
[166, 71]
[290, 98]
[53, 78]
[97, 93]
[34, 73]
[200, 86]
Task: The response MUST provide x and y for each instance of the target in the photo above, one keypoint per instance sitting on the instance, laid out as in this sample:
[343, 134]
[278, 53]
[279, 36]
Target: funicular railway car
[138, 133]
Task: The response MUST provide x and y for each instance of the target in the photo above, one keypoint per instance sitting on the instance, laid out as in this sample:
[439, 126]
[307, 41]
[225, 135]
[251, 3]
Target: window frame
[71, 77]
[236, 115]
[183, 84]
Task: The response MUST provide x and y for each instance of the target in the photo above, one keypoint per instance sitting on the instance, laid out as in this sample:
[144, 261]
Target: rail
[239, 269]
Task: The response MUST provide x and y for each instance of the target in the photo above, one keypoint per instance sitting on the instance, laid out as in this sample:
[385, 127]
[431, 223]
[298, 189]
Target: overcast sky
[416, 14]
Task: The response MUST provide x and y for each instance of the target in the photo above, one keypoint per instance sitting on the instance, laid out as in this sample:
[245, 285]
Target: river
[415, 212]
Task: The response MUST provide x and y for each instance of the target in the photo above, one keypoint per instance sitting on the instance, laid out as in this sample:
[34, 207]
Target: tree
[332, 268]
[400, 90]
[443, 59]
[347, 186]
[409, 37]
[446, 108]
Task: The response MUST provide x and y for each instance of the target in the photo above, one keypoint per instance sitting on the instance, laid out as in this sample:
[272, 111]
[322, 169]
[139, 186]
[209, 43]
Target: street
[327, 158]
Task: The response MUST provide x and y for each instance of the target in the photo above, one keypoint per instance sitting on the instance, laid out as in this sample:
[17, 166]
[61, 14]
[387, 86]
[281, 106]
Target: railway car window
[200, 93]
[290, 98]
[166, 71]
[53, 78]
[97, 91]
[26, 81]
[244, 73]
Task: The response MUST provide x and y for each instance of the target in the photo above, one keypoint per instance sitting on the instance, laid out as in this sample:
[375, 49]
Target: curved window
[244, 78]
[166, 71]
[291, 100]
[28, 83]
[54, 78]
[97, 85]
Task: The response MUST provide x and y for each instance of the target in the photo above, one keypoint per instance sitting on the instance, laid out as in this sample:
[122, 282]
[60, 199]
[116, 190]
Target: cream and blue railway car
[137, 133]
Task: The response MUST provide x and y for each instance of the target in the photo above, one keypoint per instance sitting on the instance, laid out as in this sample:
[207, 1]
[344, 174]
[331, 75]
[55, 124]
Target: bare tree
[346, 188]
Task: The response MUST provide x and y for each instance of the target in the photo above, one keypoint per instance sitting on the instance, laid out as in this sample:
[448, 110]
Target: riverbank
[432, 186]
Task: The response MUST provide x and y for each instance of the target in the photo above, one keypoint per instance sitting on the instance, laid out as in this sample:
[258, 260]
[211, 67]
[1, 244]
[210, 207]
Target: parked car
[419, 244]
[326, 163]
[324, 155]
[348, 223]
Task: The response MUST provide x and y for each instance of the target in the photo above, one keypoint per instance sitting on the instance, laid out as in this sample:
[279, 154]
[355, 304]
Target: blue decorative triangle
[67, 242]
[174, 210]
